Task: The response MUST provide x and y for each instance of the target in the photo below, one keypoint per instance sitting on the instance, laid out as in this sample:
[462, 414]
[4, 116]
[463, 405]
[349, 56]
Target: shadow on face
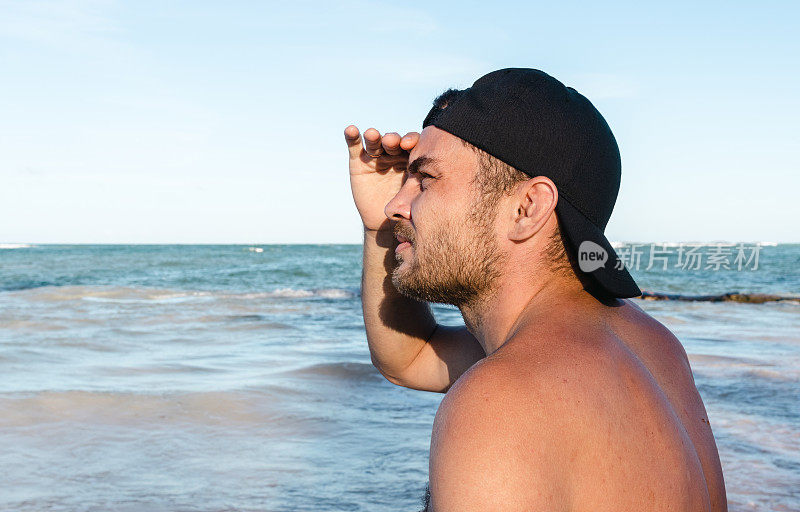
[454, 257]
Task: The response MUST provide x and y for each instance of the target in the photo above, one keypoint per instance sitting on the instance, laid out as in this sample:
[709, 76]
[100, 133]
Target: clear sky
[215, 122]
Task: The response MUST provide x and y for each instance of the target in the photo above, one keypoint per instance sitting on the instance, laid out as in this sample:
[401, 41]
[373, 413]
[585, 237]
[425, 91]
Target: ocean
[222, 378]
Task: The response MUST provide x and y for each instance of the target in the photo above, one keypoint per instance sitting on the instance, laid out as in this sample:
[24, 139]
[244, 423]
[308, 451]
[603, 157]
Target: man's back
[665, 359]
[585, 410]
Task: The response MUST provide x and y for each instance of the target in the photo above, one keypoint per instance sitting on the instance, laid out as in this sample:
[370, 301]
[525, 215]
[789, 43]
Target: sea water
[211, 378]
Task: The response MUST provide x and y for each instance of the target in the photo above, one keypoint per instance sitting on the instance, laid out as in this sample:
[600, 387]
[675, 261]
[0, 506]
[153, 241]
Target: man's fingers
[391, 143]
[375, 145]
[353, 139]
[409, 140]
[372, 142]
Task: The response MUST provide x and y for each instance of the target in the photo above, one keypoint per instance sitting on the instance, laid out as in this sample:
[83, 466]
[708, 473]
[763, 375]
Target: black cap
[536, 124]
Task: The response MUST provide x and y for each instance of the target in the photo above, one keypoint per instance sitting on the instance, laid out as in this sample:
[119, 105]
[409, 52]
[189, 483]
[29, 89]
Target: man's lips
[401, 246]
[404, 243]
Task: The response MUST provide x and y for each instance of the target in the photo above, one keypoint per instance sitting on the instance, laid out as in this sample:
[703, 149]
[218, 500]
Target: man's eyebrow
[420, 162]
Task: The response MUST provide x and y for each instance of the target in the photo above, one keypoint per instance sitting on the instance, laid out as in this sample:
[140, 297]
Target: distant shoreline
[749, 298]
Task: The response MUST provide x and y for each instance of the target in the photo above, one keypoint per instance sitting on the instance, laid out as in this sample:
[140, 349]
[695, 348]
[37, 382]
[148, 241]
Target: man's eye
[422, 178]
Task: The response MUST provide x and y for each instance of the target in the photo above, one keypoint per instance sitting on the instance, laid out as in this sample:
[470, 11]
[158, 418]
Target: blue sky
[217, 122]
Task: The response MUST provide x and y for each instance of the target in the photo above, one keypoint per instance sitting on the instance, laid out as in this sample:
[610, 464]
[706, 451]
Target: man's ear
[531, 207]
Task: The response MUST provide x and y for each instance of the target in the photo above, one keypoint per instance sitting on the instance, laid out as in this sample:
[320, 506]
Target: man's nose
[399, 207]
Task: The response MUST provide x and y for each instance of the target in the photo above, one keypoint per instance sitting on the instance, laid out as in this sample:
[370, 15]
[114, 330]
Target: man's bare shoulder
[483, 456]
[507, 433]
[557, 418]
[548, 389]
[648, 328]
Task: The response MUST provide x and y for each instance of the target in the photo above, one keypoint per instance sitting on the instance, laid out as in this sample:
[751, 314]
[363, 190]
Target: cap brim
[611, 277]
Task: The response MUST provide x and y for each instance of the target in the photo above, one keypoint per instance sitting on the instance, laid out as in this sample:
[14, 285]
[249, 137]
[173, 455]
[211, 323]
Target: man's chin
[402, 280]
[399, 274]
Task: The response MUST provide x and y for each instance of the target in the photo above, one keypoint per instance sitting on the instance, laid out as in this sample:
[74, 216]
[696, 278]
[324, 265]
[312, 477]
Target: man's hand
[377, 168]
[404, 340]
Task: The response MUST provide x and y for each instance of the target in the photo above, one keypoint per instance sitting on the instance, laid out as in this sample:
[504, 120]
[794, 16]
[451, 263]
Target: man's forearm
[397, 327]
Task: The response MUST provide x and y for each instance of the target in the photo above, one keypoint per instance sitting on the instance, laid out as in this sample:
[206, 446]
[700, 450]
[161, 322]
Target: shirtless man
[561, 394]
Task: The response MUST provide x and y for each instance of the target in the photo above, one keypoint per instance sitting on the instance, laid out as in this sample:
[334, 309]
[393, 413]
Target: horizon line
[22, 245]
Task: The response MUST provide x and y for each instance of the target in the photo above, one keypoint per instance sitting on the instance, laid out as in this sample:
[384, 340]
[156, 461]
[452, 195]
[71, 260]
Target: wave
[295, 293]
[48, 290]
[15, 246]
[327, 293]
[347, 370]
[714, 360]
[217, 407]
[749, 298]
[116, 294]
[268, 408]
[292, 293]
[27, 285]
[55, 291]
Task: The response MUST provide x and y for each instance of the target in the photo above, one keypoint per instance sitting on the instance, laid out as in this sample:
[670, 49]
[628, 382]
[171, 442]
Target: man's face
[453, 255]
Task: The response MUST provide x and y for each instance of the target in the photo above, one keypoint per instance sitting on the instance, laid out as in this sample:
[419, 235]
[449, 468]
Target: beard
[456, 266]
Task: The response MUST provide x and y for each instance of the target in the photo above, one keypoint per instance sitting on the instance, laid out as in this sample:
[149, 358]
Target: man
[561, 394]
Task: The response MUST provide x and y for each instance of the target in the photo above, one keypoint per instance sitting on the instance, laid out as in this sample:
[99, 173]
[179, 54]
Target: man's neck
[495, 317]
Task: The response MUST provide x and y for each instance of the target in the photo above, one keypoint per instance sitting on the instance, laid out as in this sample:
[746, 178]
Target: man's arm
[407, 345]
